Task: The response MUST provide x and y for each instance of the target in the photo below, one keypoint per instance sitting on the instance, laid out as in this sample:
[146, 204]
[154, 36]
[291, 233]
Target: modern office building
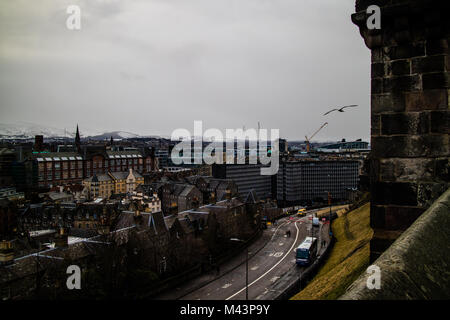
[163, 156]
[311, 180]
[247, 177]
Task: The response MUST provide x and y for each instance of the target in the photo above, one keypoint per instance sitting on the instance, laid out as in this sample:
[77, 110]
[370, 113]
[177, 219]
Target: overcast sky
[151, 66]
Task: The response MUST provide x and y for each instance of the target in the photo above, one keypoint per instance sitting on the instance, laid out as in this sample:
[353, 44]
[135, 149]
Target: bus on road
[306, 251]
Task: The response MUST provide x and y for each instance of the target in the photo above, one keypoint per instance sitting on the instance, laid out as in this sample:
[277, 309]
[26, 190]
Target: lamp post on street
[246, 267]
[329, 203]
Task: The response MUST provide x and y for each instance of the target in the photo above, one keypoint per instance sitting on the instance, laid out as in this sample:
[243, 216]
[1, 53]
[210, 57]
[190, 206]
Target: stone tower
[409, 112]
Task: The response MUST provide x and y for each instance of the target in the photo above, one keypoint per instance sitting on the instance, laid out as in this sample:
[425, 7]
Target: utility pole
[246, 275]
[329, 203]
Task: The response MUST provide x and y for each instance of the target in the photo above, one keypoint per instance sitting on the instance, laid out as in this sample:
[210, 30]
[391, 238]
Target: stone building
[106, 185]
[177, 197]
[214, 189]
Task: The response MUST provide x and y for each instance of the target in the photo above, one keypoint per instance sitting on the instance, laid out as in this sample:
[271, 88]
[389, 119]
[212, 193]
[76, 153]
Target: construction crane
[308, 146]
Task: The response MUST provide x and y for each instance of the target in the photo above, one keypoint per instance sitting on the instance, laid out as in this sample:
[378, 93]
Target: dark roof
[147, 189]
[82, 233]
[251, 197]
[92, 150]
[122, 175]
[125, 220]
[155, 221]
[186, 226]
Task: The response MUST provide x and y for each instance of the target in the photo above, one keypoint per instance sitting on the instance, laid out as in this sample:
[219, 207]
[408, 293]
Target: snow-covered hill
[115, 135]
[27, 130]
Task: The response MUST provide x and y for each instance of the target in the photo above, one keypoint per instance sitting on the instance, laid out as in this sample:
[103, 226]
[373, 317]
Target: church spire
[78, 140]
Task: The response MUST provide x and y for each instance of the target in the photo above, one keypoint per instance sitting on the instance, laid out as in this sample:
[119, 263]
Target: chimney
[61, 239]
[6, 252]
[38, 143]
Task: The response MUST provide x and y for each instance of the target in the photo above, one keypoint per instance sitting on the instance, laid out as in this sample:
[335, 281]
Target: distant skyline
[152, 66]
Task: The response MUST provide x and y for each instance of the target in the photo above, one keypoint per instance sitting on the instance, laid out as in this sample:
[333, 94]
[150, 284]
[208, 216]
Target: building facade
[299, 181]
[61, 168]
[105, 185]
[247, 177]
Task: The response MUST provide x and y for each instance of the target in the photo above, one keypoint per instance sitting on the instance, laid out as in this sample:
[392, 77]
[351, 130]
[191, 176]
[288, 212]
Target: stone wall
[409, 112]
[416, 265]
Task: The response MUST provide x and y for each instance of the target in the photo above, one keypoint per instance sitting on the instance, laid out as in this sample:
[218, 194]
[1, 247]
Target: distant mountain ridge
[115, 135]
[26, 130]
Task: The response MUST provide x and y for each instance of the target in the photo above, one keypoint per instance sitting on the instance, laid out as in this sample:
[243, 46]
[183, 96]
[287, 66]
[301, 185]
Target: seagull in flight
[341, 109]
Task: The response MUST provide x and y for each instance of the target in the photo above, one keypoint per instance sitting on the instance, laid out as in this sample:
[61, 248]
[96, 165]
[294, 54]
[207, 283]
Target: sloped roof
[125, 220]
[99, 178]
[170, 220]
[156, 222]
[119, 175]
[58, 195]
[82, 233]
[186, 226]
[187, 189]
[251, 197]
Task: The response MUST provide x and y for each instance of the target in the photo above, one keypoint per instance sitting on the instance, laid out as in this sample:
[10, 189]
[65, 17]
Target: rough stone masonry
[409, 112]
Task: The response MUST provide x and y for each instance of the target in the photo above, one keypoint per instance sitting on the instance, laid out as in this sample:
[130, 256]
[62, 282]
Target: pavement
[271, 258]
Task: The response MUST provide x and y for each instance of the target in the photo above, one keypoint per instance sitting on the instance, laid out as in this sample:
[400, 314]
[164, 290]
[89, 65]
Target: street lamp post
[246, 267]
[329, 203]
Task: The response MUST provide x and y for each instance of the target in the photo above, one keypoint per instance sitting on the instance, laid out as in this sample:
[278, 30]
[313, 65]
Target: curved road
[265, 268]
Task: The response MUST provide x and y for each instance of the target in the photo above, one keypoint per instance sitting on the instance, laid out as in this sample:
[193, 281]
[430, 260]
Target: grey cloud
[156, 65]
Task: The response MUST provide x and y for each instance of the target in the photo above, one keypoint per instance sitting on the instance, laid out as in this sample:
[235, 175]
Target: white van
[315, 221]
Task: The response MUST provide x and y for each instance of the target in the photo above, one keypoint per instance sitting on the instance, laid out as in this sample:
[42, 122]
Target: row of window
[59, 175]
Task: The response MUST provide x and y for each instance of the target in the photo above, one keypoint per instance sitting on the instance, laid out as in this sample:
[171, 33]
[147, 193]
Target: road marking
[280, 244]
[226, 285]
[278, 254]
[274, 279]
[276, 264]
[273, 236]
[254, 268]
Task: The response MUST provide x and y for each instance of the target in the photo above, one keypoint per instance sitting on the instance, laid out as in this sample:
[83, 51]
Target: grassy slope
[326, 211]
[347, 260]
